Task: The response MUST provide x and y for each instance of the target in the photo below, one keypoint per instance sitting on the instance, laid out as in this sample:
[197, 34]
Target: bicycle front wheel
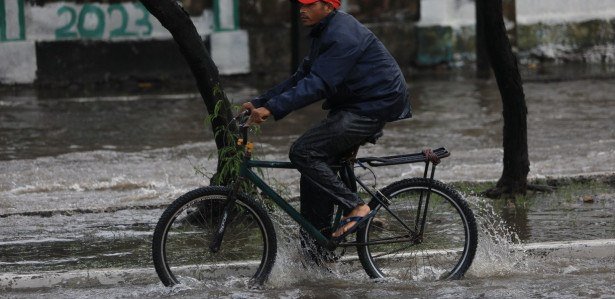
[182, 239]
[395, 246]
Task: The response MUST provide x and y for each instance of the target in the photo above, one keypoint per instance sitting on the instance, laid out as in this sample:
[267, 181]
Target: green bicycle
[422, 228]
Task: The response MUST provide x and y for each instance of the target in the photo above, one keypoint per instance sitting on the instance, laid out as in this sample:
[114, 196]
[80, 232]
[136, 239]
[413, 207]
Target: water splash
[292, 263]
[497, 252]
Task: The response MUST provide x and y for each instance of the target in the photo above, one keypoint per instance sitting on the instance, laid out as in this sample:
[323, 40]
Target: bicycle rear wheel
[446, 248]
[181, 241]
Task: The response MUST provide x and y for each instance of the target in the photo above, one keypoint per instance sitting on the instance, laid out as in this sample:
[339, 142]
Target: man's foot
[359, 211]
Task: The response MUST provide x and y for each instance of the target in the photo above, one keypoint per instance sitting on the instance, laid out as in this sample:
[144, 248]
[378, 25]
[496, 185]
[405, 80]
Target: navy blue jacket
[350, 68]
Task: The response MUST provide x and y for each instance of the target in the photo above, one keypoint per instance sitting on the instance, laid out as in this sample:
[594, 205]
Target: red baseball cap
[336, 3]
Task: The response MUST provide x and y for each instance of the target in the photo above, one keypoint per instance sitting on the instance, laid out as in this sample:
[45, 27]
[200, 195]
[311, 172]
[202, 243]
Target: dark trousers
[317, 149]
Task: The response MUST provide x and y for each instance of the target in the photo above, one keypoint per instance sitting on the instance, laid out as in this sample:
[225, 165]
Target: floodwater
[84, 179]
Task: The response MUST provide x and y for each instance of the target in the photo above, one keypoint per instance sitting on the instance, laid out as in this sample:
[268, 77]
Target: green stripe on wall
[2, 22]
[20, 19]
[217, 16]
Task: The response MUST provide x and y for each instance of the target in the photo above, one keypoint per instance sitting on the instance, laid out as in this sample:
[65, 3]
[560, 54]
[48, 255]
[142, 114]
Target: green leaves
[230, 156]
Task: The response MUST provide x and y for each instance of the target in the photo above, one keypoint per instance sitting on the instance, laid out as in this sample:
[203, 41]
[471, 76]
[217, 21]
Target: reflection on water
[516, 218]
[76, 240]
[564, 214]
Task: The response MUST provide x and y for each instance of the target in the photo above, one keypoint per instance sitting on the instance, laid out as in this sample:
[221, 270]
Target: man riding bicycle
[363, 88]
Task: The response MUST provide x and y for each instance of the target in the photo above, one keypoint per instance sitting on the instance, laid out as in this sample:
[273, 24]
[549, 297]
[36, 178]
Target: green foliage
[230, 156]
[230, 162]
[566, 189]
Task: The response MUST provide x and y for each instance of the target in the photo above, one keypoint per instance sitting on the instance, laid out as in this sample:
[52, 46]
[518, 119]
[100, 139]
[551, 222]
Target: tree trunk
[504, 63]
[173, 17]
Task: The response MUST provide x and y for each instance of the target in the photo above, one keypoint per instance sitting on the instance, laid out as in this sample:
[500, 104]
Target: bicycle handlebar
[242, 119]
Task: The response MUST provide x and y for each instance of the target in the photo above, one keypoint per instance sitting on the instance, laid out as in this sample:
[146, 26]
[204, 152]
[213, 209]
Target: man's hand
[247, 106]
[257, 115]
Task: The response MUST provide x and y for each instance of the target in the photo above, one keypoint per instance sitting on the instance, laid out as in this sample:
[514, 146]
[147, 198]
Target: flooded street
[85, 178]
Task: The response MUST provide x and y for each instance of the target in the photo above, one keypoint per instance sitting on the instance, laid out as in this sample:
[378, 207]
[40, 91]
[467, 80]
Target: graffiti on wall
[69, 20]
[97, 21]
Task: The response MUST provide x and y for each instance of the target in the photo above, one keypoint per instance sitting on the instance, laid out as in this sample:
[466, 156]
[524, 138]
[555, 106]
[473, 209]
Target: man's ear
[330, 7]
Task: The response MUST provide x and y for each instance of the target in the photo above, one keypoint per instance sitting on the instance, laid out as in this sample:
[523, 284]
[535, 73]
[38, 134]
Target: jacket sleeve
[280, 88]
[330, 68]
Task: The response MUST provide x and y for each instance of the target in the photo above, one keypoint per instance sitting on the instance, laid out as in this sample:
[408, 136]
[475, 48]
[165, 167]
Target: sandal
[360, 222]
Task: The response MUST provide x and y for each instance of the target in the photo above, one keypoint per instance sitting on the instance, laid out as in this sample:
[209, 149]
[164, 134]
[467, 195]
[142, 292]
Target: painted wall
[24, 26]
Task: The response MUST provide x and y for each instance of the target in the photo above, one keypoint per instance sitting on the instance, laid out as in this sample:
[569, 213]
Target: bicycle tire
[180, 247]
[445, 250]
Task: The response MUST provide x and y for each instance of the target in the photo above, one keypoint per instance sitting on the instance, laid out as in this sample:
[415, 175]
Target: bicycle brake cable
[362, 165]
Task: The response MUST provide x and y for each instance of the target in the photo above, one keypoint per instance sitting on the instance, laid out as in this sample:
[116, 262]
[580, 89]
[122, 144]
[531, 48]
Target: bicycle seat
[372, 139]
[352, 155]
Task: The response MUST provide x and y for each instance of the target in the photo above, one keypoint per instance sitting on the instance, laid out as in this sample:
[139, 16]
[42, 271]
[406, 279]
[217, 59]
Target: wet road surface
[84, 180]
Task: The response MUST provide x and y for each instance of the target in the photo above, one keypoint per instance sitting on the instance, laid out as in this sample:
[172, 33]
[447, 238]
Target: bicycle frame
[415, 234]
[347, 174]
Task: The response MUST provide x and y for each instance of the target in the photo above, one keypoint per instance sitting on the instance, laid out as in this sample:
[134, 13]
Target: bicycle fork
[218, 235]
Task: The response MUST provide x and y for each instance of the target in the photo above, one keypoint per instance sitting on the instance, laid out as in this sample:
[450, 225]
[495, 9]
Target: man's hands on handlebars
[257, 115]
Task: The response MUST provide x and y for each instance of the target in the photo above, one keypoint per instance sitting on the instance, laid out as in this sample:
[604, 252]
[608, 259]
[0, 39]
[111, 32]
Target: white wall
[18, 62]
[457, 13]
[453, 13]
[563, 11]
[231, 52]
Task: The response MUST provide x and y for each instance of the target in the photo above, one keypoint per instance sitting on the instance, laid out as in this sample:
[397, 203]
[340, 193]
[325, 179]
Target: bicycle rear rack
[402, 159]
